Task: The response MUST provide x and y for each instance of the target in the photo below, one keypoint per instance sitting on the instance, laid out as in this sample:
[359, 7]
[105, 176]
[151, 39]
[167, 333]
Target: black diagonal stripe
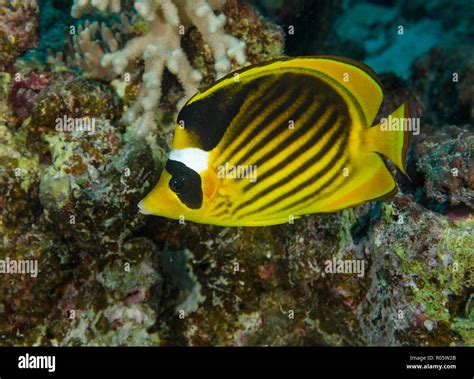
[305, 166]
[221, 213]
[209, 117]
[267, 121]
[282, 127]
[318, 175]
[313, 195]
[220, 205]
[256, 108]
[314, 118]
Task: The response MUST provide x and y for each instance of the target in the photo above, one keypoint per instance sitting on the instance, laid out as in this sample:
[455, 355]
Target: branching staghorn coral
[82, 7]
[89, 50]
[160, 49]
[92, 41]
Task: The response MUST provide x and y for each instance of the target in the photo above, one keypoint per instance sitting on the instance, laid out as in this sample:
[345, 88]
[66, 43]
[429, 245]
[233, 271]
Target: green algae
[436, 284]
[348, 220]
[465, 325]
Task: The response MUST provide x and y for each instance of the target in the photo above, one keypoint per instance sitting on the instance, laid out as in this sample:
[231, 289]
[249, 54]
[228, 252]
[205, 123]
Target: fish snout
[142, 209]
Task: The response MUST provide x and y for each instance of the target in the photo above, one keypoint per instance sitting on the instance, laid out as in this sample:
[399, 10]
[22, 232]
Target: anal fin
[370, 181]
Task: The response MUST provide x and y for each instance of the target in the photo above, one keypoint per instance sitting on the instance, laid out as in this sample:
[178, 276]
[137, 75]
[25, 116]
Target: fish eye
[179, 184]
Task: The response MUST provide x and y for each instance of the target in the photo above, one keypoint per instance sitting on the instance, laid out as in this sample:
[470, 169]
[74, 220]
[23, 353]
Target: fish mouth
[142, 209]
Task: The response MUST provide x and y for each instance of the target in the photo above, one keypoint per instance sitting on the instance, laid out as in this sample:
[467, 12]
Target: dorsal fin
[207, 115]
[357, 78]
[362, 82]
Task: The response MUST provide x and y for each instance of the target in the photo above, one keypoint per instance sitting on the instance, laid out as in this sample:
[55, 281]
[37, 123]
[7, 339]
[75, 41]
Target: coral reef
[23, 93]
[444, 78]
[72, 173]
[5, 84]
[298, 18]
[55, 25]
[19, 180]
[422, 271]
[91, 43]
[94, 182]
[26, 299]
[72, 99]
[160, 48]
[263, 40]
[73, 298]
[81, 7]
[18, 29]
[125, 309]
[416, 274]
[447, 166]
[19, 168]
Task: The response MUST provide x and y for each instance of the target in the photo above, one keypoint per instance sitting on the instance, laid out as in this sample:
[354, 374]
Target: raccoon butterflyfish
[271, 142]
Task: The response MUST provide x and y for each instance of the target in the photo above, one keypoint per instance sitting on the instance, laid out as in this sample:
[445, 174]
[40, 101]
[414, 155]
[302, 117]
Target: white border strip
[195, 159]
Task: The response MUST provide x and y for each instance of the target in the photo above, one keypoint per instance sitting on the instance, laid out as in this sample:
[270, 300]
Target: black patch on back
[209, 118]
[192, 197]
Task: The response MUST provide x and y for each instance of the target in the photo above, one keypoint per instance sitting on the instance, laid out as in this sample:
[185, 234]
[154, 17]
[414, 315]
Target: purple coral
[23, 93]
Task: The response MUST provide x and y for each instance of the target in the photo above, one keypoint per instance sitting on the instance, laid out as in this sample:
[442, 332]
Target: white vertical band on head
[195, 159]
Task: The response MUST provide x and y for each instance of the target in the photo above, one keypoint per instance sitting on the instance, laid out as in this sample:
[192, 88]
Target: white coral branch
[161, 48]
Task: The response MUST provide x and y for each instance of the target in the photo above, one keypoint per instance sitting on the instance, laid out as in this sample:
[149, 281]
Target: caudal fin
[392, 136]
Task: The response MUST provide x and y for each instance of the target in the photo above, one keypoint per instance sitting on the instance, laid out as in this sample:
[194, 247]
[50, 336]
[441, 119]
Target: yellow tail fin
[391, 137]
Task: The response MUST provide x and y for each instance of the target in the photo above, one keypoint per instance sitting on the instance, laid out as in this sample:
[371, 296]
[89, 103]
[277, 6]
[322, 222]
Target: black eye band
[186, 183]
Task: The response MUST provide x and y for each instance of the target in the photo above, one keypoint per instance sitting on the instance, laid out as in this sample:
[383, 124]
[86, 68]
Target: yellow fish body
[271, 142]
